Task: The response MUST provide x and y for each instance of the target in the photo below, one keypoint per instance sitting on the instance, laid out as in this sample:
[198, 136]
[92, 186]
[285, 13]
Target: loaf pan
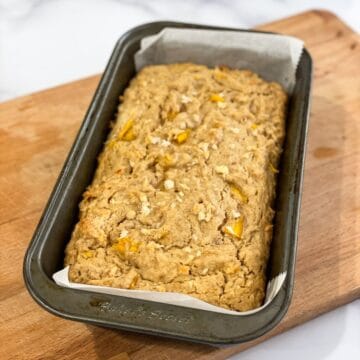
[46, 251]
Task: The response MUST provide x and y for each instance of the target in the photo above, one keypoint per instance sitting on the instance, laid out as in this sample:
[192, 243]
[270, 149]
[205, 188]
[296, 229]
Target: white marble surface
[45, 43]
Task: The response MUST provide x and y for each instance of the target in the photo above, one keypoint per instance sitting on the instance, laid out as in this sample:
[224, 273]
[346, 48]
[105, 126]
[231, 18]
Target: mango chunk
[127, 132]
[183, 136]
[216, 98]
[238, 194]
[166, 161]
[87, 254]
[234, 228]
[129, 135]
[125, 245]
[171, 115]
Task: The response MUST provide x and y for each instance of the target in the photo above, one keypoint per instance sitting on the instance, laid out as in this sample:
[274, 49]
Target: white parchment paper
[274, 57]
[62, 279]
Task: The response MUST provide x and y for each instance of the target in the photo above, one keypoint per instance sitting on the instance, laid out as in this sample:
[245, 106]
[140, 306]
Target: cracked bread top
[182, 197]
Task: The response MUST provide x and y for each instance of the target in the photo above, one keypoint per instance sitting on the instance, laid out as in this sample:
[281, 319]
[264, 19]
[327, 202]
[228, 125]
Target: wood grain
[36, 132]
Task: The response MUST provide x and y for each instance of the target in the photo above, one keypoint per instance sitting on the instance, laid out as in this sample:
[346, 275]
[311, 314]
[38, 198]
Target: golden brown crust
[181, 200]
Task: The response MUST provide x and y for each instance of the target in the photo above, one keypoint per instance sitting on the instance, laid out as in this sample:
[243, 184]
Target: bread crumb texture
[181, 199]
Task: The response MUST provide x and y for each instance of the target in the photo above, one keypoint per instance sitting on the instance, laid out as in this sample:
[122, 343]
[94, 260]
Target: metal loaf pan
[46, 250]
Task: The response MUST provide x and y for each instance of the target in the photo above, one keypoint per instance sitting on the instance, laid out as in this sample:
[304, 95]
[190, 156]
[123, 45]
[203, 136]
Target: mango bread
[182, 197]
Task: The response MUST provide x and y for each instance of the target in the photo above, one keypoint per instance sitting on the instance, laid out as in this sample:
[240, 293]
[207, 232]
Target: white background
[45, 43]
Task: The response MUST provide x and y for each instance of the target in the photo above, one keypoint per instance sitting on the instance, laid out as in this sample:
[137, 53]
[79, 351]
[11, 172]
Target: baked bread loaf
[182, 197]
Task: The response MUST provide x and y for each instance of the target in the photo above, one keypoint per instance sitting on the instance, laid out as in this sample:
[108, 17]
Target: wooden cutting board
[36, 132]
